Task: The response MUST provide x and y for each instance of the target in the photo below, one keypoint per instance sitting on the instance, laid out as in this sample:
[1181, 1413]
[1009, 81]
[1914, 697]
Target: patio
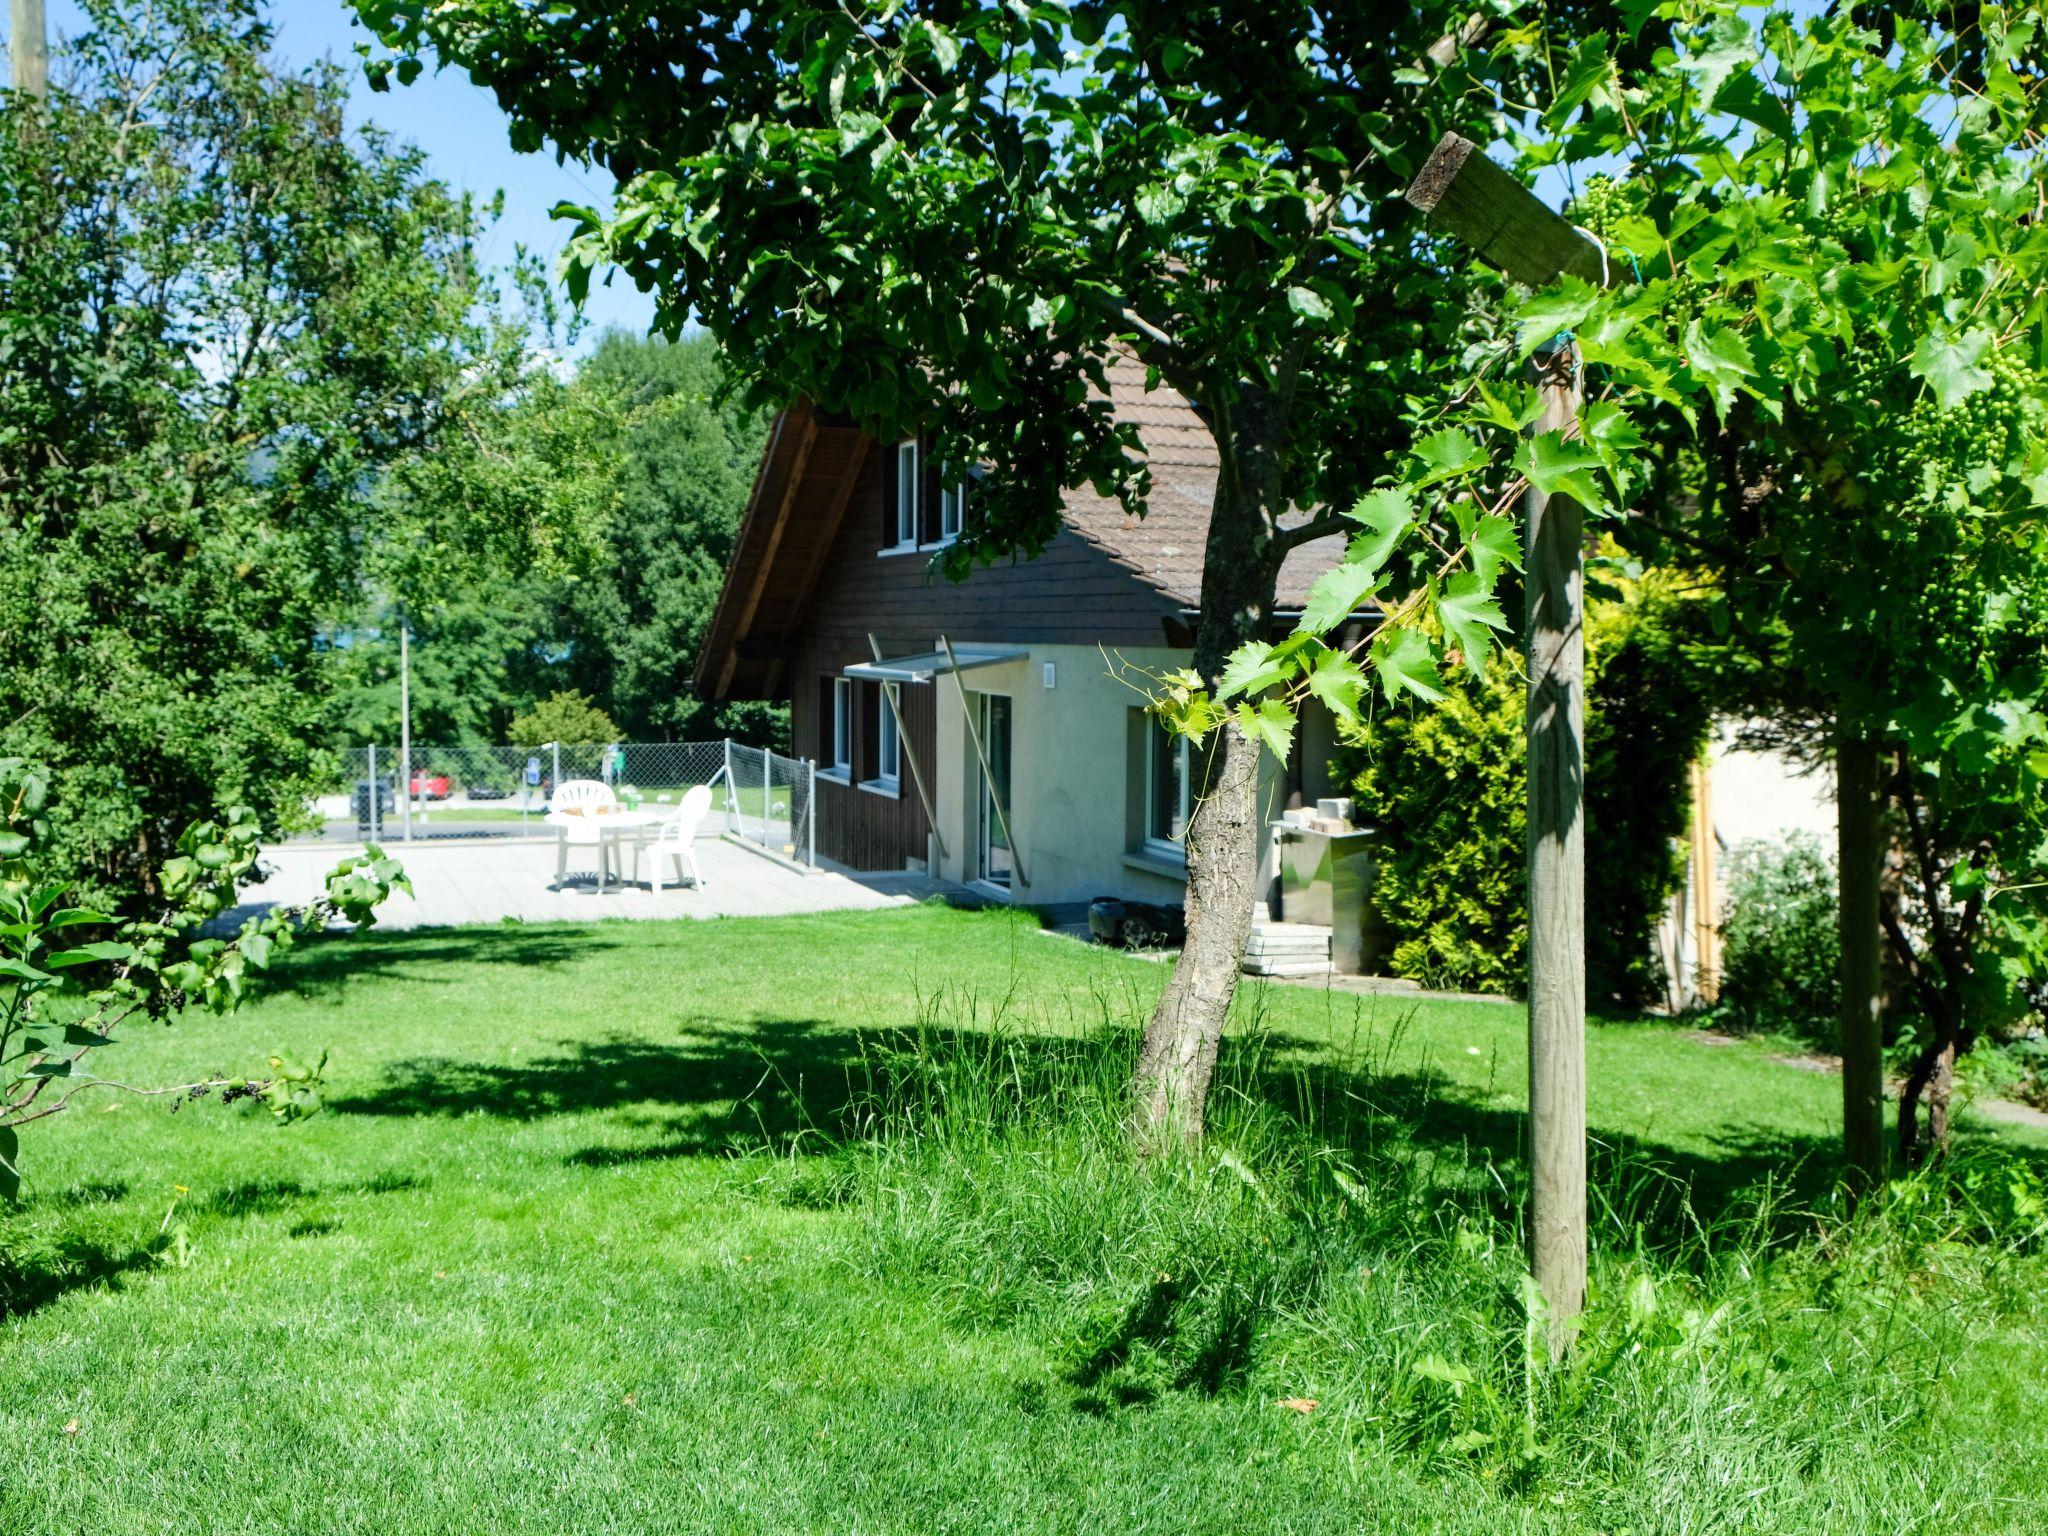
[507, 879]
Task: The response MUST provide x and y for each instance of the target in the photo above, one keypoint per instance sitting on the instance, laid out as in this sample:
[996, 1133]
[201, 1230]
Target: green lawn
[510, 1280]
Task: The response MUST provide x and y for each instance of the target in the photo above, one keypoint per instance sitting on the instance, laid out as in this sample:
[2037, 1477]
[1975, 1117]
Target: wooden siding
[1071, 594]
[857, 827]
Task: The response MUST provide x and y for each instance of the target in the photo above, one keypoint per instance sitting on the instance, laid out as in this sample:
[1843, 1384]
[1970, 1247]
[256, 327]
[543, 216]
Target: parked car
[431, 786]
[1136, 924]
[360, 803]
[488, 792]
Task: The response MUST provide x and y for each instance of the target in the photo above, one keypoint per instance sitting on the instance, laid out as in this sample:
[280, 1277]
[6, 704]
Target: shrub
[562, 716]
[1780, 948]
[1447, 789]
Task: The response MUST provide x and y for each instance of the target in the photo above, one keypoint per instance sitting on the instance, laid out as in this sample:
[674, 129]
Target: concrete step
[1287, 949]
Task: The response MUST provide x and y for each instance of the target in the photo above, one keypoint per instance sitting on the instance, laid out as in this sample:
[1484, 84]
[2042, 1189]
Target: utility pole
[1508, 226]
[405, 720]
[29, 49]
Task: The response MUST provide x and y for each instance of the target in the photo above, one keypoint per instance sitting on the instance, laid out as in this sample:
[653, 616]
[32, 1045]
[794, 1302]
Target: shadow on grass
[325, 966]
[737, 1084]
[41, 1273]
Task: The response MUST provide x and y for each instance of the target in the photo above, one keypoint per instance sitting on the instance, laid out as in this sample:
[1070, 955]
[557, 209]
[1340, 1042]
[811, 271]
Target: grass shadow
[720, 1085]
[325, 966]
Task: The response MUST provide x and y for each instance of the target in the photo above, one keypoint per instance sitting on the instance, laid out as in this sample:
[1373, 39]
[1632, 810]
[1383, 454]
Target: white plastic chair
[675, 839]
[581, 808]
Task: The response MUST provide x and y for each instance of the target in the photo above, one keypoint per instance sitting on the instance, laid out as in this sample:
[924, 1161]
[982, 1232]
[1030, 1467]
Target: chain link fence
[436, 793]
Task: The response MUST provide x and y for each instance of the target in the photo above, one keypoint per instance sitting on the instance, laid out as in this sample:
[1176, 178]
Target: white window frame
[909, 488]
[1157, 740]
[952, 511]
[888, 745]
[841, 726]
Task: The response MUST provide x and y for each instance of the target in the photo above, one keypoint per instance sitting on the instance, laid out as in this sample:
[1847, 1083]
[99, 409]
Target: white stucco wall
[1071, 810]
[1766, 795]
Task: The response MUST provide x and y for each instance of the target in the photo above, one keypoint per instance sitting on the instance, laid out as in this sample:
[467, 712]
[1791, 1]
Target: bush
[562, 716]
[1780, 947]
[1447, 788]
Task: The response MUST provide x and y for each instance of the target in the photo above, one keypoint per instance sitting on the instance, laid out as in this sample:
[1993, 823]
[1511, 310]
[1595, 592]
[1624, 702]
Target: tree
[951, 218]
[639, 471]
[565, 716]
[222, 315]
[1838, 347]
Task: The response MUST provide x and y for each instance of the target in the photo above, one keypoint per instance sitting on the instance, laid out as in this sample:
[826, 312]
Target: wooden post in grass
[1467, 195]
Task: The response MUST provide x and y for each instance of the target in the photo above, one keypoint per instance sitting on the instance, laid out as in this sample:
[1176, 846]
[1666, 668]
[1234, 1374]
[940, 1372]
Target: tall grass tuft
[1744, 1362]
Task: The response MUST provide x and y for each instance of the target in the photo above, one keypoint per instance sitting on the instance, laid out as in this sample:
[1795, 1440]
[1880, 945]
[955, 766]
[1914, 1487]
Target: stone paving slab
[488, 882]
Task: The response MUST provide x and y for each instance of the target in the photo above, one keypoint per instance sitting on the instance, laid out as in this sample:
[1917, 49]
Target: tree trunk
[1170, 1088]
[1859, 857]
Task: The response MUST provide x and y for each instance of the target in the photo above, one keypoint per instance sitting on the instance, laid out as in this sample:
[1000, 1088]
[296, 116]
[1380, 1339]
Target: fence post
[811, 812]
[370, 792]
[555, 747]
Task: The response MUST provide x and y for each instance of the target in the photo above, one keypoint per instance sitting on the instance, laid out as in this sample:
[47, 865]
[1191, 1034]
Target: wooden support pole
[1467, 195]
[1556, 723]
[29, 49]
[1859, 854]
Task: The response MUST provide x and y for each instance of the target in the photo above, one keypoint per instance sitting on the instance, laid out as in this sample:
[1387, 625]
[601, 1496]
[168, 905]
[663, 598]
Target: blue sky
[463, 133]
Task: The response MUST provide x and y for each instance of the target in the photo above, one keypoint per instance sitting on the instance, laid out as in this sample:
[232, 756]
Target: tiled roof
[1165, 546]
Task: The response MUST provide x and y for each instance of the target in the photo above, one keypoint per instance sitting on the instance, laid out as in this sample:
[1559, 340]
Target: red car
[431, 786]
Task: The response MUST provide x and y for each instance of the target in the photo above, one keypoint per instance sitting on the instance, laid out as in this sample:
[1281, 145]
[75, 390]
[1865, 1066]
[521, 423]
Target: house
[980, 730]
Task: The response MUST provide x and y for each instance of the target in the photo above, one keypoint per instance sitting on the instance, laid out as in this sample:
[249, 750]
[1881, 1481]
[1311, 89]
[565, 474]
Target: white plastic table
[608, 824]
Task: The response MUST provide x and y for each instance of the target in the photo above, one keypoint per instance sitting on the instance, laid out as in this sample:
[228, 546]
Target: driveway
[488, 882]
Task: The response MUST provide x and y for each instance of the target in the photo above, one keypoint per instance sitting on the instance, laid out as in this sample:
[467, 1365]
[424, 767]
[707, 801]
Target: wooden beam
[1469, 196]
[807, 429]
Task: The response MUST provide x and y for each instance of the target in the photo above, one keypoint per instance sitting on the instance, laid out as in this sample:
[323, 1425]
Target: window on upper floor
[952, 511]
[841, 726]
[909, 483]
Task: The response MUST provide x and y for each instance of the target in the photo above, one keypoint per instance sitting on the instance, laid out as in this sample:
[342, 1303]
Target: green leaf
[1307, 302]
[1339, 682]
[1953, 366]
[73, 917]
[1335, 596]
[86, 954]
[1269, 722]
[1553, 311]
[1721, 359]
[1387, 514]
[1467, 610]
[1448, 453]
[1556, 466]
[1405, 663]
[1491, 545]
[1251, 669]
[17, 971]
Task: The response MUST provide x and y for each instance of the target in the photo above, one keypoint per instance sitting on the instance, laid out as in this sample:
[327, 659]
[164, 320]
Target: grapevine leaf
[1404, 661]
[1953, 366]
[1336, 595]
[1338, 681]
[1251, 668]
[1448, 453]
[1269, 722]
[86, 954]
[1492, 544]
[1555, 310]
[1386, 515]
[1555, 466]
[1721, 359]
[1467, 610]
